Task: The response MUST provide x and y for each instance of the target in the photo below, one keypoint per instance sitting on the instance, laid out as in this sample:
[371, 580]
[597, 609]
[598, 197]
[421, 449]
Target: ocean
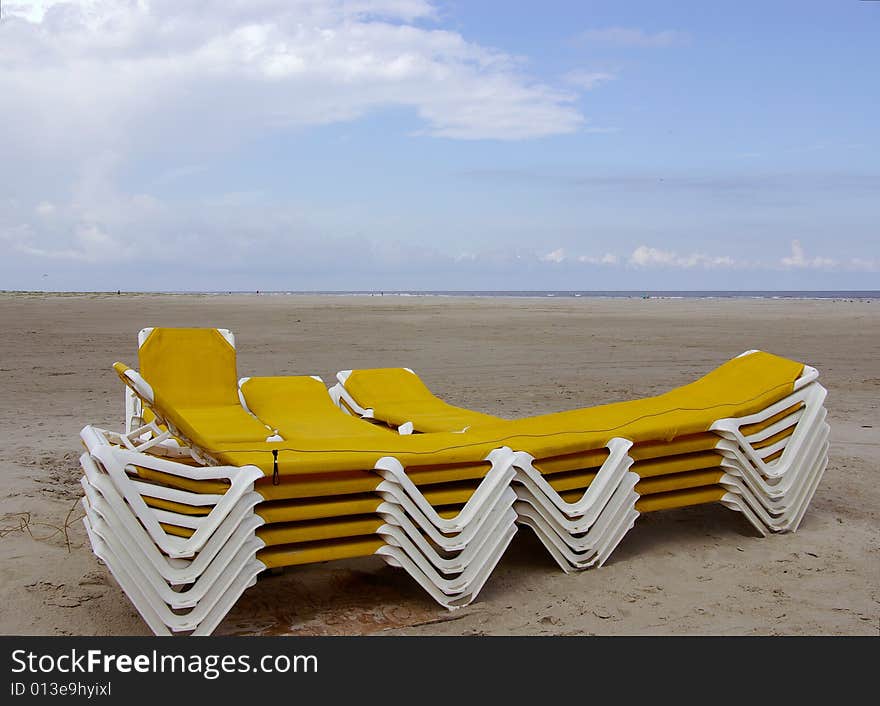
[865, 295]
[596, 294]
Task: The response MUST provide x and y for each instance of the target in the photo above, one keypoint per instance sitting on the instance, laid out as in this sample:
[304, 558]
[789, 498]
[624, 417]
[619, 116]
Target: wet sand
[691, 571]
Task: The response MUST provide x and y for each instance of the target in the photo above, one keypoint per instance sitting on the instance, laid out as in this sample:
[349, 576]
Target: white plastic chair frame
[450, 557]
[469, 564]
[583, 541]
[395, 557]
[114, 461]
[779, 494]
[608, 477]
[236, 531]
[473, 565]
[201, 620]
[813, 413]
[466, 565]
[394, 509]
[197, 600]
[567, 559]
[567, 526]
[339, 394]
[151, 570]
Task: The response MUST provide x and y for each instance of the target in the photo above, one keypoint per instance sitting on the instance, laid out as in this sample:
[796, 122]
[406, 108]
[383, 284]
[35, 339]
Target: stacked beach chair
[216, 479]
[184, 531]
[765, 464]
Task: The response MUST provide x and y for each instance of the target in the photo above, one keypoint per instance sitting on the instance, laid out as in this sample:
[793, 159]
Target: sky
[453, 145]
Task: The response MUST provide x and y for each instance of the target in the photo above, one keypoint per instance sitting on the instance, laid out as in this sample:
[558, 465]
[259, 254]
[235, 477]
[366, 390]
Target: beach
[700, 570]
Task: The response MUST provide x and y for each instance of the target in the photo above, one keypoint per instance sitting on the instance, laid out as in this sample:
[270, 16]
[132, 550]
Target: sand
[692, 571]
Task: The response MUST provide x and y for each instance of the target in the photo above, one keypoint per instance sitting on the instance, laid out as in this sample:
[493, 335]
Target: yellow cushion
[193, 375]
[189, 367]
[739, 387]
[680, 481]
[326, 507]
[397, 395]
[332, 528]
[680, 498]
[212, 427]
[330, 442]
[310, 552]
[301, 406]
[677, 463]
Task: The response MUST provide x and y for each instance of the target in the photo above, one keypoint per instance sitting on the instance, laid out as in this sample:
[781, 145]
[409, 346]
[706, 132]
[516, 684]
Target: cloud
[588, 80]
[94, 91]
[557, 256]
[864, 264]
[90, 244]
[798, 259]
[606, 259]
[644, 256]
[633, 37]
[45, 209]
[88, 69]
[121, 119]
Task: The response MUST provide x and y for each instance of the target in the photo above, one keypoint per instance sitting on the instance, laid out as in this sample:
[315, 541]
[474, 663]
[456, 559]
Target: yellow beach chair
[705, 460]
[216, 479]
[184, 507]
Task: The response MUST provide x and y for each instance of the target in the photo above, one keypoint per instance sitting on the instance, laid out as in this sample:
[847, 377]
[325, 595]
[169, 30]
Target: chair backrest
[190, 367]
[301, 405]
[398, 395]
[187, 379]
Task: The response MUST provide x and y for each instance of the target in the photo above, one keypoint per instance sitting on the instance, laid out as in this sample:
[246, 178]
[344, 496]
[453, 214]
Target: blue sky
[402, 144]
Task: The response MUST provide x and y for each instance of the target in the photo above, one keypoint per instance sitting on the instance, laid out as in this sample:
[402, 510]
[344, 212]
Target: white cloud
[92, 89]
[32, 10]
[556, 256]
[650, 257]
[606, 259]
[633, 37]
[45, 209]
[90, 68]
[644, 256]
[798, 259]
[103, 101]
[864, 264]
[588, 80]
[91, 244]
